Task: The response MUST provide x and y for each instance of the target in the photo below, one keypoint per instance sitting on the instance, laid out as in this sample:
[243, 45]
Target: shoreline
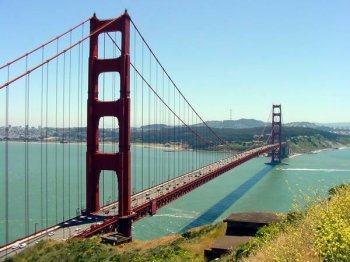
[176, 147]
[167, 147]
[293, 155]
[328, 149]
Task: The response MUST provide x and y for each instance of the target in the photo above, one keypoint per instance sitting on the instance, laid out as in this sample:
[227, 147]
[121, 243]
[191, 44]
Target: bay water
[56, 185]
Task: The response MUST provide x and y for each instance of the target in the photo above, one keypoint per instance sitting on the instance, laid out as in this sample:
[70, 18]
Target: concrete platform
[115, 239]
[241, 227]
[225, 244]
[248, 223]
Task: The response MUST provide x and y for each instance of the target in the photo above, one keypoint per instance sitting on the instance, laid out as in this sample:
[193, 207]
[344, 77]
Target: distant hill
[322, 126]
[303, 124]
[252, 123]
[309, 125]
[235, 124]
[153, 127]
[337, 125]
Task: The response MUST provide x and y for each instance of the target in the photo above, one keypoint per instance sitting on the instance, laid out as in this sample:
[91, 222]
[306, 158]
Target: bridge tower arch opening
[97, 161]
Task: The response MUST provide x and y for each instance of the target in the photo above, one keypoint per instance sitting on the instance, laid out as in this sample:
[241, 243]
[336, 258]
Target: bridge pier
[124, 226]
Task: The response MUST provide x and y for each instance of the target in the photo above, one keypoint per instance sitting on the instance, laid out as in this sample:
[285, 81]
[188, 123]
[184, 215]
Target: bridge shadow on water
[220, 207]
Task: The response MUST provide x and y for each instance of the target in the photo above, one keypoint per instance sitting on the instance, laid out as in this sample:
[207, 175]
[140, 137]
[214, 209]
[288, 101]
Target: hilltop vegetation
[303, 144]
[186, 247]
[302, 139]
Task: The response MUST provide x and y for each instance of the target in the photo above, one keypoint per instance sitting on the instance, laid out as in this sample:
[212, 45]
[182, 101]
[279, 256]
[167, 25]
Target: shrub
[322, 233]
[336, 189]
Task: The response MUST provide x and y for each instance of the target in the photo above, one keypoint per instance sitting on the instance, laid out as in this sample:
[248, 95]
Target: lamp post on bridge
[35, 227]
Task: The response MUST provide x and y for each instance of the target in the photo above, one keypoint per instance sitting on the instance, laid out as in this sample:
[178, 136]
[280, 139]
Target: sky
[224, 55]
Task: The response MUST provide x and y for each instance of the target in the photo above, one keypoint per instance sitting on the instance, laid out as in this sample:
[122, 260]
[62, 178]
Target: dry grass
[186, 247]
[144, 245]
[291, 245]
[204, 241]
[203, 238]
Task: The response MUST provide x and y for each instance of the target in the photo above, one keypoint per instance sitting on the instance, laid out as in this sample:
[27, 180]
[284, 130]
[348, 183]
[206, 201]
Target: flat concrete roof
[253, 217]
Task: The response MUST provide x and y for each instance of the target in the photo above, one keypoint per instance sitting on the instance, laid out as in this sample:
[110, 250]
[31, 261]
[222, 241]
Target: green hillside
[301, 139]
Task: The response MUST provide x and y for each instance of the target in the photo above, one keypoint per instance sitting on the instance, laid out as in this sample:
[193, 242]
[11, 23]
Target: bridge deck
[143, 203]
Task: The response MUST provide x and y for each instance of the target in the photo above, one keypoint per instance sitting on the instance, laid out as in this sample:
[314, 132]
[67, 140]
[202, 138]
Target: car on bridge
[15, 246]
[22, 245]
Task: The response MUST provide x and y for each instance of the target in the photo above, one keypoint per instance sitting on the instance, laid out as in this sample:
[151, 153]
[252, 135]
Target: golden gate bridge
[68, 87]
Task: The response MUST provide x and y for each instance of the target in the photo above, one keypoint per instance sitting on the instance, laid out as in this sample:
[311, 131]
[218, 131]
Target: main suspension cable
[156, 58]
[161, 99]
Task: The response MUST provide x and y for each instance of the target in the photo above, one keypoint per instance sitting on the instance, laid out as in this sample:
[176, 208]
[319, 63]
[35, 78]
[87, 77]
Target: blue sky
[240, 55]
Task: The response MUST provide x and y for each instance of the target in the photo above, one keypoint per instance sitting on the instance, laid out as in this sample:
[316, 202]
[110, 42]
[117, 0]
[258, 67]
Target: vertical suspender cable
[163, 132]
[178, 138]
[179, 124]
[46, 148]
[183, 154]
[154, 139]
[149, 122]
[186, 144]
[113, 121]
[63, 134]
[25, 150]
[81, 118]
[69, 127]
[79, 148]
[169, 129]
[78, 126]
[27, 153]
[156, 131]
[41, 142]
[56, 157]
[7, 161]
[142, 109]
[197, 145]
[134, 152]
[194, 146]
[115, 87]
[174, 173]
[103, 120]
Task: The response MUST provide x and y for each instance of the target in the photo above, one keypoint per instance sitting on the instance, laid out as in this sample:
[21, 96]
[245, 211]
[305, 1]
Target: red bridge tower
[276, 137]
[96, 161]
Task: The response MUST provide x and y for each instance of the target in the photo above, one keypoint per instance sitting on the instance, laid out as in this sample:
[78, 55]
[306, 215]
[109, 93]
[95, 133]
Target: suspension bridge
[80, 161]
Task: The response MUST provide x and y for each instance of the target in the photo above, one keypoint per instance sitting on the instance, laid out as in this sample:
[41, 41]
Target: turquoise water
[252, 186]
[56, 180]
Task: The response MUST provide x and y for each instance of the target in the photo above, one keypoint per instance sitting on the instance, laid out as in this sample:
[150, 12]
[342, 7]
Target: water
[253, 186]
[56, 180]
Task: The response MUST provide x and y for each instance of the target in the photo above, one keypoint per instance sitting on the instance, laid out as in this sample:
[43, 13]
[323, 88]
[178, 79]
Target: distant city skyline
[242, 56]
